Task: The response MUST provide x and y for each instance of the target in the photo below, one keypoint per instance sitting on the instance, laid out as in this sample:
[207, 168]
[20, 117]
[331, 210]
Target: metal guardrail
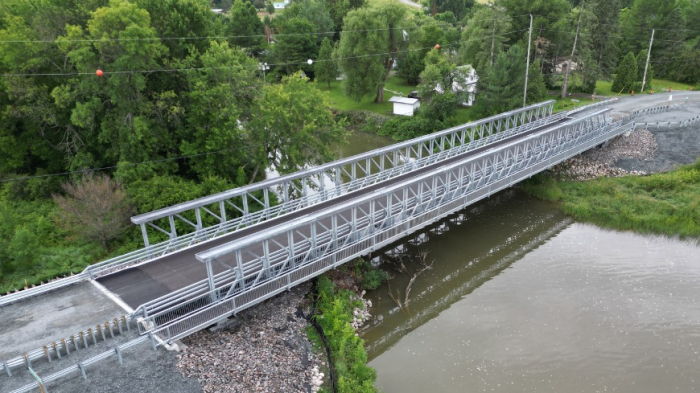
[62, 347]
[669, 124]
[82, 366]
[323, 245]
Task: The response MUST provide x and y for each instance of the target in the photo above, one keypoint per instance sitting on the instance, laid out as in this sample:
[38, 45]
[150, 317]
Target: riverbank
[264, 349]
[636, 182]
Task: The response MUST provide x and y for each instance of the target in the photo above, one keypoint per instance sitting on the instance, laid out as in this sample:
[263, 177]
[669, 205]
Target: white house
[464, 80]
[281, 5]
[404, 106]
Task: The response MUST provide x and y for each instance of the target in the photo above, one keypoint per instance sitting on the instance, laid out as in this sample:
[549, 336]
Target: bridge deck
[140, 284]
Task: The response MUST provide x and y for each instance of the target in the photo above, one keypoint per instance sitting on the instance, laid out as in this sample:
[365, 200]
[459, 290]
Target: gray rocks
[264, 350]
[639, 144]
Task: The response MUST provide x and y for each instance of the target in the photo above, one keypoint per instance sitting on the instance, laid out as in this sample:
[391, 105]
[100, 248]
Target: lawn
[604, 88]
[567, 104]
[338, 100]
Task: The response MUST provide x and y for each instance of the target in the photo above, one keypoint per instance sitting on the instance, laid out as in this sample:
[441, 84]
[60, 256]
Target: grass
[604, 88]
[567, 104]
[338, 99]
[665, 203]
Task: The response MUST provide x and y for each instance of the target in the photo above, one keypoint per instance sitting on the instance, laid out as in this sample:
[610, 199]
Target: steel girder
[228, 211]
[275, 259]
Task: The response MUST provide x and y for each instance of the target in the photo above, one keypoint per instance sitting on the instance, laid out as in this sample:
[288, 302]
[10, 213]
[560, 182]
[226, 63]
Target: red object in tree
[437, 46]
[99, 72]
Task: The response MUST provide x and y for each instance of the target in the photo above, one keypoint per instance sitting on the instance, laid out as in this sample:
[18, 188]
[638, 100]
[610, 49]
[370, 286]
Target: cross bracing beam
[228, 211]
[340, 233]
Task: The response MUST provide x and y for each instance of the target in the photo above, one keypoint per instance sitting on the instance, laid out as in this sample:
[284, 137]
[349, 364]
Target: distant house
[217, 10]
[281, 5]
[405, 106]
[464, 80]
[560, 67]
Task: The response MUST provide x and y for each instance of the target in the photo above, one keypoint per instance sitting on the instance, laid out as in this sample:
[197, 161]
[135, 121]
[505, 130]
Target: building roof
[403, 100]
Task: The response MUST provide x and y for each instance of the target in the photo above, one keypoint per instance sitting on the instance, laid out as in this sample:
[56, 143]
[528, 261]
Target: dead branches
[421, 258]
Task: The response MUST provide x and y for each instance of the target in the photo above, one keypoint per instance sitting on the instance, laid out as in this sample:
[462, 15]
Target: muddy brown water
[520, 298]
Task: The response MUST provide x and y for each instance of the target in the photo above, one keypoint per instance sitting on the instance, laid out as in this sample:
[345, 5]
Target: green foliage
[501, 88]
[484, 35]
[626, 75]
[364, 72]
[348, 354]
[295, 45]
[292, 126]
[325, 68]
[664, 16]
[536, 88]
[314, 11]
[245, 27]
[664, 203]
[409, 67]
[458, 8]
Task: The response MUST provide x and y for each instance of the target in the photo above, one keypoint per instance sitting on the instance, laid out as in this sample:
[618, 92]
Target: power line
[218, 37]
[123, 72]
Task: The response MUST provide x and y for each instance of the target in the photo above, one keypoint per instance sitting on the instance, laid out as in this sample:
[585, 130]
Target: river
[520, 298]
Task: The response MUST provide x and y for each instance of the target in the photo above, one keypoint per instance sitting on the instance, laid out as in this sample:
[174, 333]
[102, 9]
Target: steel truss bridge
[290, 229]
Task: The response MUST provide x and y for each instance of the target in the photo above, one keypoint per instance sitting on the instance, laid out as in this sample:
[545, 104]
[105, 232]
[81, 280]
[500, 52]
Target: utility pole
[493, 34]
[646, 66]
[527, 69]
[568, 63]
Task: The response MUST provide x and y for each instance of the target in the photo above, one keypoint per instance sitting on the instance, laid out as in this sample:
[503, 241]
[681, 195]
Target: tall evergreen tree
[325, 69]
[626, 75]
[484, 37]
[501, 88]
[605, 36]
[245, 28]
[536, 88]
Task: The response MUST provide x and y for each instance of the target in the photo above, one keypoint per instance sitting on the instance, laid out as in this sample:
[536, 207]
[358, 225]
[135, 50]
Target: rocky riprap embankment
[599, 161]
[265, 349]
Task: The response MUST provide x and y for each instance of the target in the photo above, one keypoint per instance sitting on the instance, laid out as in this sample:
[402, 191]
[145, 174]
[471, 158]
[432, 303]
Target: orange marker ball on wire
[99, 72]
[437, 46]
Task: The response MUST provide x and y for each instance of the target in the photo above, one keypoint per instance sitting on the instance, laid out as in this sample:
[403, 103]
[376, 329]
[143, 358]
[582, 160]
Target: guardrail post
[82, 370]
[63, 341]
[46, 352]
[58, 351]
[119, 355]
[7, 369]
[153, 341]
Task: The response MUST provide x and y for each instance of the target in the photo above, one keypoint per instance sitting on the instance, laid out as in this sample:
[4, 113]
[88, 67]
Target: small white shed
[404, 106]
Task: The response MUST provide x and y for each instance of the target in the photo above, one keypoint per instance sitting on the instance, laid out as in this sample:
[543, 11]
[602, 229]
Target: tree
[95, 207]
[501, 88]
[221, 93]
[338, 9]
[292, 127]
[484, 37]
[296, 44]
[245, 27]
[667, 19]
[626, 74]
[368, 31]
[459, 8]
[606, 30]
[270, 8]
[325, 69]
[316, 12]
[545, 12]
[409, 66]
[536, 88]
[436, 77]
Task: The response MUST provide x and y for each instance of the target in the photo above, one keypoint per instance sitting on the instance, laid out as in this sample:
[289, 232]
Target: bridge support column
[210, 280]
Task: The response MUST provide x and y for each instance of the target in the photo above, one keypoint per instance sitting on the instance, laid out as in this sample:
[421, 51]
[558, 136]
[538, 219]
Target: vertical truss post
[210, 280]
[144, 233]
[173, 231]
[290, 242]
[222, 211]
[198, 215]
[266, 257]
